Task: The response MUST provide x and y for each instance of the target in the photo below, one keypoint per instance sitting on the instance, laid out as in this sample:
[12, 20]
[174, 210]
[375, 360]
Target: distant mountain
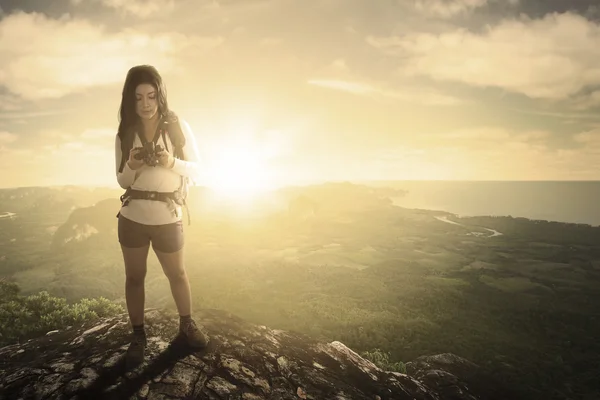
[297, 203]
[87, 222]
[51, 199]
[342, 197]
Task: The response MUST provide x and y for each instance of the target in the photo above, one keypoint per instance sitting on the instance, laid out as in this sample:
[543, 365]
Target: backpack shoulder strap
[173, 127]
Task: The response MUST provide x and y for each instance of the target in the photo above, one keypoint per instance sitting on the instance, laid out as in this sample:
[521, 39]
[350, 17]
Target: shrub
[22, 318]
[382, 360]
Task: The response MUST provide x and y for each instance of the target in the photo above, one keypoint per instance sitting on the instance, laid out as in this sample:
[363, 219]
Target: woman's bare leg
[172, 265]
[135, 273]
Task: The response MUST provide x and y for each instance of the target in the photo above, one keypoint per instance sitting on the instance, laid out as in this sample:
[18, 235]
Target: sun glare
[238, 173]
[242, 162]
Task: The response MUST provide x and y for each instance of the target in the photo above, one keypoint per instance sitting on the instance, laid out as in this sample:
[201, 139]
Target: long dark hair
[137, 75]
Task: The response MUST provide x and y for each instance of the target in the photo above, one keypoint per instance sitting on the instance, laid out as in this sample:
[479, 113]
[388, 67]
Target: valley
[513, 295]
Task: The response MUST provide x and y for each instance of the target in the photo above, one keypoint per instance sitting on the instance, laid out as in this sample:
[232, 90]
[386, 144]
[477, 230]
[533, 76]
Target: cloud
[18, 115]
[138, 8]
[562, 115]
[60, 157]
[587, 101]
[351, 87]
[9, 103]
[447, 9]
[554, 57]
[425, 96]
[6, 138]
[339, 64]
[451, 8]
[271, 41]
[50, 58]
[57, 139]
[98, 133]
[338, 75]
[486, 135]
[492, 153]
[97, 136]
[589, 139]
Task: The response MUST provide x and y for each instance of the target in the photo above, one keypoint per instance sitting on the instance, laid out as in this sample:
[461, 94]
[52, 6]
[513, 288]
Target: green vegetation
[391, 283]
[543, 231]
[382, 360]
[25, 317]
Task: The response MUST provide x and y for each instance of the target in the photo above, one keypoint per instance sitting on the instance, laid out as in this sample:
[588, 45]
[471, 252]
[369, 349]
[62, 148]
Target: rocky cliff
[243, 361]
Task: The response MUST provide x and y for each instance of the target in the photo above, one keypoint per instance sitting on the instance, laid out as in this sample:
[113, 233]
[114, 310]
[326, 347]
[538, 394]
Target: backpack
[167, 125]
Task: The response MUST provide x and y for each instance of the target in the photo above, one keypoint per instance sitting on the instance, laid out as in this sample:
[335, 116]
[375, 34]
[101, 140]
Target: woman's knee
[135, 264]
[136, 278]
[136, 274]
[172, 265]
[175, 274]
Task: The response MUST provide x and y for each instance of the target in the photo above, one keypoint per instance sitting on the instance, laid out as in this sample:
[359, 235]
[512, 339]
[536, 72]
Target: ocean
[562, 201]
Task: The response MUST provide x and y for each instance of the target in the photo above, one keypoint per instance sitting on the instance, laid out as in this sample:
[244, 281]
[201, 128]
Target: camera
[148, 153]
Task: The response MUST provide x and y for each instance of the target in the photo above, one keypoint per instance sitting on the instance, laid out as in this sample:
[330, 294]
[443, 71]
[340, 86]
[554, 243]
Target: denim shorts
[166, 238]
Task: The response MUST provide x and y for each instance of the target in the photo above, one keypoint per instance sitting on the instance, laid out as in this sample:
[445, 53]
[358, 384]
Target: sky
[309, 91]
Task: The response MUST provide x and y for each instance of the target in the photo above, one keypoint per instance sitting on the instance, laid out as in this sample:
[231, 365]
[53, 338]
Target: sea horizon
[567, 201]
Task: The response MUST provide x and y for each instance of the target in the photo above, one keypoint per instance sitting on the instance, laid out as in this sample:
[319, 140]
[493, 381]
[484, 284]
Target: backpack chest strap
[133, 194]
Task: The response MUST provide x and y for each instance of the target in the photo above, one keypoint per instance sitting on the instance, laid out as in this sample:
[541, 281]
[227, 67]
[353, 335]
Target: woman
[150, 213]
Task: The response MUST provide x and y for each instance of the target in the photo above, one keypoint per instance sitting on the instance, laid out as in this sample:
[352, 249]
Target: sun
[246, 160]
[238, 172]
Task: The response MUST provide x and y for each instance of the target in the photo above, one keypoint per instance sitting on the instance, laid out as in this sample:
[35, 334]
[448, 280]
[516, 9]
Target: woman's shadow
[108, 376]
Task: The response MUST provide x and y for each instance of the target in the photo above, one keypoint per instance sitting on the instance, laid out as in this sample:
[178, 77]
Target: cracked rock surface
[243, 361]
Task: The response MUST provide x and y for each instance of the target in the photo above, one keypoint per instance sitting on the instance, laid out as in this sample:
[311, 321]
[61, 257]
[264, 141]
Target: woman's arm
[190, 167]
[126, 177]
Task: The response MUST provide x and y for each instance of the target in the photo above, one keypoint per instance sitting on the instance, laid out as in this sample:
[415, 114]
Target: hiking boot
[134, 355]
[193, 336]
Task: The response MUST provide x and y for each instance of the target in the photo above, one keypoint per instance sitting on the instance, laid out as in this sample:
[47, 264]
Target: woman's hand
[166, 159]
[132, 162]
